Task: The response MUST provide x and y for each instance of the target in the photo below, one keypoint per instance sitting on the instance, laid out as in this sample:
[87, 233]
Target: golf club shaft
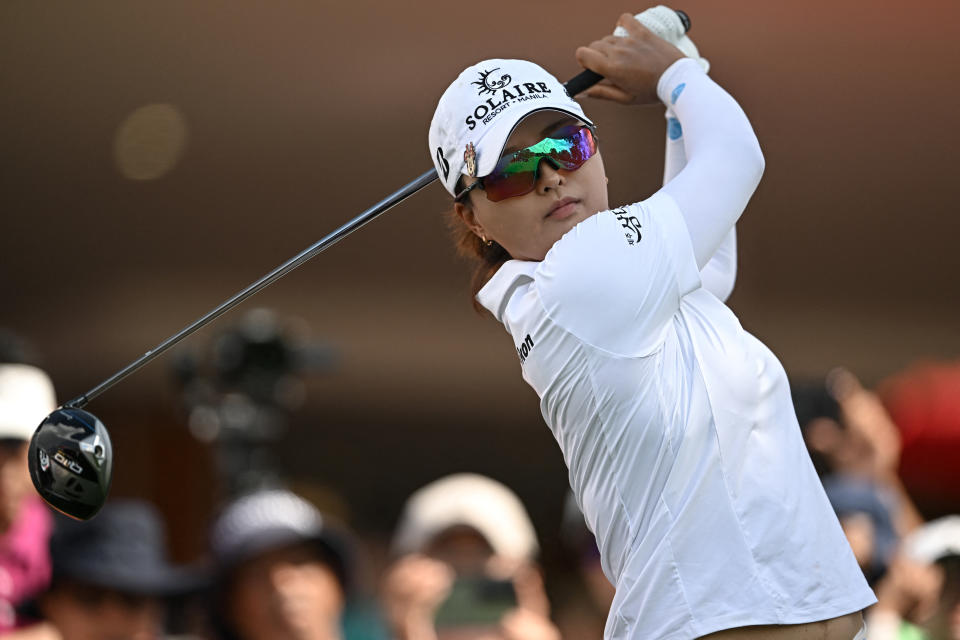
[574, 86]
[318, 247]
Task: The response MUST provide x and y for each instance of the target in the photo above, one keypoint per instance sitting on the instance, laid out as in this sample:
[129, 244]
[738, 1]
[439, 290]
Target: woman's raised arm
[724, 161]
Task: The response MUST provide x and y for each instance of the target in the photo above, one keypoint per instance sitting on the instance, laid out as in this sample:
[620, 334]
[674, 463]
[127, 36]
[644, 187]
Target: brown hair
[486, 259]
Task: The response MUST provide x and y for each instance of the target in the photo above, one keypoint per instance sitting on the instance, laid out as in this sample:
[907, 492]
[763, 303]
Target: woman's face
[528, 225]
[286, 593]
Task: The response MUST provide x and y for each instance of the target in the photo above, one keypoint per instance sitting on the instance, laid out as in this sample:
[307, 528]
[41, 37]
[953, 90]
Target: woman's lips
[563, 209]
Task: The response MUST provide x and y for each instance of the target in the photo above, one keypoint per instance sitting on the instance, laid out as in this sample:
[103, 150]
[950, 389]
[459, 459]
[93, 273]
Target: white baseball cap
[482, 108]
[936, 539]
[476, 501]
[26, 398]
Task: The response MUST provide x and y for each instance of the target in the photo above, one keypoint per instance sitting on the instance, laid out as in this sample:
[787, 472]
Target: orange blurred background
[158, 157]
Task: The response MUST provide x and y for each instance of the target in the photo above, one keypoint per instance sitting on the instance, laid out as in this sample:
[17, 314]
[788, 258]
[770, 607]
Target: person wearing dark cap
[856, 446]
[583, 608]
[110, 577]
[866, 514]
[283, 570]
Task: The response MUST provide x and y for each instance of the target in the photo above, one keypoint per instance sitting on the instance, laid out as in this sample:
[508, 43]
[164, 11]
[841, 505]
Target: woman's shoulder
[607, 230]
[622, 227]
[611, 280]
[647, 240]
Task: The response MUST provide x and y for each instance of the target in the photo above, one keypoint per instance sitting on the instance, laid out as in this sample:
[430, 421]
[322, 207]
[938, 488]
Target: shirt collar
[495, 295]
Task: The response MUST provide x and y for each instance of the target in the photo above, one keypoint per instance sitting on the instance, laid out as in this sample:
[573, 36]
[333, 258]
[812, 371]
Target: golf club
[70, 455]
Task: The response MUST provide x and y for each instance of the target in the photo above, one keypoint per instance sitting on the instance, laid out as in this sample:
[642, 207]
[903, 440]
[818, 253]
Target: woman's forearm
[723, 158]
[719, 275]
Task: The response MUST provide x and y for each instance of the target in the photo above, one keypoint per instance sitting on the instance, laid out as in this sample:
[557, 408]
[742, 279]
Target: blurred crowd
[859, 451]
[464, 559]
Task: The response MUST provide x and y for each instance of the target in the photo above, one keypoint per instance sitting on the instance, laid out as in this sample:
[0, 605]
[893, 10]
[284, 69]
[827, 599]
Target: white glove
[665, 23]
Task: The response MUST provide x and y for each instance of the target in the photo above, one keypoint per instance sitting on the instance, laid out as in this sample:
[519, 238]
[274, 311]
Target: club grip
[586, 78]
[581, 82]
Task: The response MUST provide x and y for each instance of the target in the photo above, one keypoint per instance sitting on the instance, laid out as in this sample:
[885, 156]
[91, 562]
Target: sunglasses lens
[516, 173]
[580, 147]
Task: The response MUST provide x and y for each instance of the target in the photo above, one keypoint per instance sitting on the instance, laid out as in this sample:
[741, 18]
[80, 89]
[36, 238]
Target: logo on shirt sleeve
[523, 350]
[675, 94]
[630, 224]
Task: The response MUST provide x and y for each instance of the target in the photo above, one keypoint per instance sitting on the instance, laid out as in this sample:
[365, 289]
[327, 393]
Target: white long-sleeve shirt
[677, 425]
[719, 275]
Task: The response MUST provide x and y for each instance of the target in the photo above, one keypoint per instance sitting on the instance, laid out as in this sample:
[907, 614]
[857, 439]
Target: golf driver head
[71, 462]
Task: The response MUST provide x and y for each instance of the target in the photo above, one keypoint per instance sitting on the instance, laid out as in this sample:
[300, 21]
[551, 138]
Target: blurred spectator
[465, 569]
[26, 397]
[283, 570]
[584, 614]
[919, 599]
[819, 416]
[866, 514]
[110, 577]
[856, 448]
[848, 429]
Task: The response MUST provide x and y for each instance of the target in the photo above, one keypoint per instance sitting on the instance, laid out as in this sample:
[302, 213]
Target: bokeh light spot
[150, 142]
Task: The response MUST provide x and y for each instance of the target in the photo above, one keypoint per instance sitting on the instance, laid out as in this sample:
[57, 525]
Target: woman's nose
[548, 177]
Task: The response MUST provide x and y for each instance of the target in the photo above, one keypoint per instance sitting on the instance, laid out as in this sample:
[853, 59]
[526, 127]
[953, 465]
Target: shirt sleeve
[723, 158]
[615, 281]
[719, 275]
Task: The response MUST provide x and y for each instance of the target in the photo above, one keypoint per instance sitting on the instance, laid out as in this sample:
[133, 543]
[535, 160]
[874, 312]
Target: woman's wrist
[668, 86]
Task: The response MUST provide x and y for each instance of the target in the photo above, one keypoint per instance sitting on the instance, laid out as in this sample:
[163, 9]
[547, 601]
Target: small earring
[486, 242]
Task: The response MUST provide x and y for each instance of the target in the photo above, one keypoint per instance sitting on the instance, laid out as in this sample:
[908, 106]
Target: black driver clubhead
[71, 462]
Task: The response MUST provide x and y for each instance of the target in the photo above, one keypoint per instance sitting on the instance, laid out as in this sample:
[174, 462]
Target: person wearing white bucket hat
[465, 568]
[470, 500]
[26, 396]
[677, 426]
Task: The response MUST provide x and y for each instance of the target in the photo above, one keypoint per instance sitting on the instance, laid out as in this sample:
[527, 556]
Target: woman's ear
[465, 212]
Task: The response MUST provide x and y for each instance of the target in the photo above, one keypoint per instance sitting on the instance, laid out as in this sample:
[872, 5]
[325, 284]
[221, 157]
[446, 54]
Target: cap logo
[444, 164]
[501, 96]
[470, 159]
[490, 84]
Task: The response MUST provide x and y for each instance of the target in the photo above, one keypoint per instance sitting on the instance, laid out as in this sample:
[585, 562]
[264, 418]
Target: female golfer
[676, 425]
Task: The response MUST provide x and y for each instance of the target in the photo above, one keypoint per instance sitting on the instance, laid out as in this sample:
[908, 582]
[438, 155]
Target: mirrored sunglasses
[516, 172]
